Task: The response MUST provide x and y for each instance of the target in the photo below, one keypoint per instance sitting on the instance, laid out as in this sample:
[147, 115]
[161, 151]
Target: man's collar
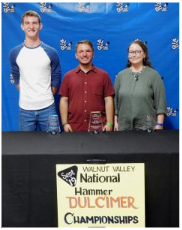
[92, 69]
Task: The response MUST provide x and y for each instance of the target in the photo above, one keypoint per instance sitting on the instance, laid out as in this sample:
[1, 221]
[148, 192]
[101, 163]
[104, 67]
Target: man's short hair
[85, 42]
[31, 13]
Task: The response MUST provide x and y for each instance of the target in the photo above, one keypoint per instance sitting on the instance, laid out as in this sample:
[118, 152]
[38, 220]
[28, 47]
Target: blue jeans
[30, 120]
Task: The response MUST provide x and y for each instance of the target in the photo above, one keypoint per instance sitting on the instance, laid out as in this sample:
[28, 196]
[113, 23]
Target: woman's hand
[157, 127]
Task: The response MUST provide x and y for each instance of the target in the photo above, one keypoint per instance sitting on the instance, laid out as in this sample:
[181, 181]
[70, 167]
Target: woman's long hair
[146, 61]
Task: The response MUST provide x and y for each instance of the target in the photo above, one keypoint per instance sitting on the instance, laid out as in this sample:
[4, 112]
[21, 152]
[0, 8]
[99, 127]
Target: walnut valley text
[127, 168]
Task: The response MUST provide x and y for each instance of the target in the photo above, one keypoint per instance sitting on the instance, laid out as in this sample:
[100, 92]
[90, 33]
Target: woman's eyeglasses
[136, 52]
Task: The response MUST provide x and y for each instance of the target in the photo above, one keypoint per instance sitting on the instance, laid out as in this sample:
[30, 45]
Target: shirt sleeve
[15, 73]
[116, 88]
[55, 70]
[159, 94]
[55, 64]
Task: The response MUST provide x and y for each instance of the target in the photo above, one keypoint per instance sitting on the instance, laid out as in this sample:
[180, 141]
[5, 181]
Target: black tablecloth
[29, 177]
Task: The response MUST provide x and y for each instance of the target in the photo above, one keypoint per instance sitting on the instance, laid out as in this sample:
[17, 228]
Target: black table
[29, 177]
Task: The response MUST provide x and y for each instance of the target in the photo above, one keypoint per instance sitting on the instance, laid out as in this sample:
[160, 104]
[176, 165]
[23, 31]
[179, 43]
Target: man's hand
[67, 128]
[107, 128]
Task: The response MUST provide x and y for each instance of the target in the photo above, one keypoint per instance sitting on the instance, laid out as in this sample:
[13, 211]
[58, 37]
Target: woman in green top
[140, 101]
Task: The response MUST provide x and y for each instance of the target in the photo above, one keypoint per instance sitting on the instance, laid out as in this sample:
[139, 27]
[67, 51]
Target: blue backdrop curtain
[111, 27]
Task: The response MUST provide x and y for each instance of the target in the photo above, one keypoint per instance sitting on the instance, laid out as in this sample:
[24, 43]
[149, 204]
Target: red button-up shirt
[86, 93]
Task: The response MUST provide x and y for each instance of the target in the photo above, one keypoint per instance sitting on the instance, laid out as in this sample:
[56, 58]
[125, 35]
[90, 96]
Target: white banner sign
[101, 195]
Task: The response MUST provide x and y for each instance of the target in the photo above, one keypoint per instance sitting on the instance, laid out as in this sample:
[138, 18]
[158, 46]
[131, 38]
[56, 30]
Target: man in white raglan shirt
[35, 69]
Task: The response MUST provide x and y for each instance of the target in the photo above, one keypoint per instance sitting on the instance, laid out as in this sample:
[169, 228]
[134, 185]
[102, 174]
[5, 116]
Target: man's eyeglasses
[136, 52]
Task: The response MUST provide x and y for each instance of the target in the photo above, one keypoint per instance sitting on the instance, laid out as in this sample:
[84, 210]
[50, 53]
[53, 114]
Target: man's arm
[63, 107]
[15, 72]
[54, 90]
[109, 107]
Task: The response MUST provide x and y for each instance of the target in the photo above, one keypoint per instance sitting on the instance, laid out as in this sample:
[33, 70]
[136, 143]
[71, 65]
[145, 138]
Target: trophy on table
[95, 123]
[53, 126]
[149, 124]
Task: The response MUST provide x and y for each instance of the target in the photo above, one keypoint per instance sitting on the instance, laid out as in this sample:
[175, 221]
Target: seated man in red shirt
[86, 89]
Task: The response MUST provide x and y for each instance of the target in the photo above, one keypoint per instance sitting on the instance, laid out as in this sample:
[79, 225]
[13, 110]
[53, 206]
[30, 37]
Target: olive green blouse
[137, 97]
